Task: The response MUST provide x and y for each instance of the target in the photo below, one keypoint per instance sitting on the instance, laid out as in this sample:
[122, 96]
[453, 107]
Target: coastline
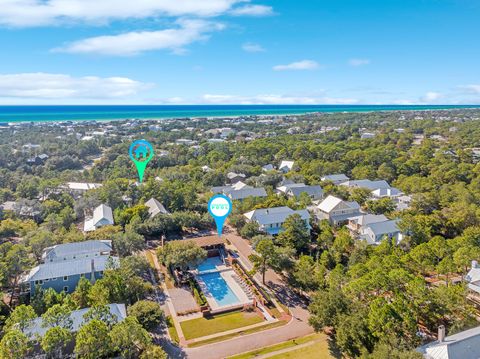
[105, 113]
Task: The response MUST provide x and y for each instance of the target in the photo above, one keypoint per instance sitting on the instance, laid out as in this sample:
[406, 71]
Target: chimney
[441, 333]
[474, 264]
[92, 276]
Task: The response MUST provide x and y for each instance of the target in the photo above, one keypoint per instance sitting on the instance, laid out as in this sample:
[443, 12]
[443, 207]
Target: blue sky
[237, 51]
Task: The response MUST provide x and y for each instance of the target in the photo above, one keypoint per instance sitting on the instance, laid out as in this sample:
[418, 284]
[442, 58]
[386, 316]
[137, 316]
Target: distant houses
[473, 278]
[65, 264]
[102, 216]
[235, 177]
[271, 220]
[336, 210]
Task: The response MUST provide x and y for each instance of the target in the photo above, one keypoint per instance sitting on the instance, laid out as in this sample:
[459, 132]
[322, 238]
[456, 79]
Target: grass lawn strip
[288, 344]
[239, 333]
[317, 350]
[201, 327]
[172, 331]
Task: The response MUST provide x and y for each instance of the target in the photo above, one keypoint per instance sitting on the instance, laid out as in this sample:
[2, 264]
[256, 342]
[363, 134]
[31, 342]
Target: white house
[271, 220]
[286, 166]
[336, 210]
[366, 183]
[358, 223]
[102, 216]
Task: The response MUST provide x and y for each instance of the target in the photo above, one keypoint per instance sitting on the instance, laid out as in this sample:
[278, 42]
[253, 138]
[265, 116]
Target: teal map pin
[141, 152]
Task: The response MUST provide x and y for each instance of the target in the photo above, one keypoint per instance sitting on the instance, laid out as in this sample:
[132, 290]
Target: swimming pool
[219, 289]
[209, 264]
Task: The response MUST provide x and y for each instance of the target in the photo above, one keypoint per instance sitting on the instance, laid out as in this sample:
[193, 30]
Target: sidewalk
[169, 303]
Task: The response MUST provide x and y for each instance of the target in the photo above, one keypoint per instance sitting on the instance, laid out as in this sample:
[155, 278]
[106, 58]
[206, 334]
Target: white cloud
[60, 86]
[431, 97]
[133, 43]
[252, 10]
[358, 62]
[252, 47]
[26, 13]
[299, 65]
[262, 99]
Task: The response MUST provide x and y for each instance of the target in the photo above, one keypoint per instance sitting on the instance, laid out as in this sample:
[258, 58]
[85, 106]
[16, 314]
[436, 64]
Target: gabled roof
[332, 202]
[286, 164]
[247, 192]
[82, 186]
[275, 214]
[36, 328]
[67, 268]
[463, 345]
[366, 183]
[268, 167]
[232, 175]
[335, 177]
[386, 192]
[385, 227]
[310, 190]
[60, 251]
[155, 207]
[366, 219]
[102, 212]
[473, 275]
[285, 187]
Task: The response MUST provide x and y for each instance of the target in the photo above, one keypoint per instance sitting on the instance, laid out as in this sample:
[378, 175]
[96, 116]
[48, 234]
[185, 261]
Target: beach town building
[155, 207]
[336, 179]
[315, 192]
[102, 216]
[271, 220]
[336, 210]
[286, 166]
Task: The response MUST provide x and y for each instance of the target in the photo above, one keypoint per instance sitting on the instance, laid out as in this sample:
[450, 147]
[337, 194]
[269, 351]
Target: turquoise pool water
[219, 289]
[209, 264]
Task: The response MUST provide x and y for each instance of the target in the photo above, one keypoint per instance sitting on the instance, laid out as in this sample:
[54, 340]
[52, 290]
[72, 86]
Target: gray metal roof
[366, 183]
[77, 248]
[384, 227]
[316, 190]
[276, 214]
[70, 267]
[247, 192]
[463, 345]
[36, 328]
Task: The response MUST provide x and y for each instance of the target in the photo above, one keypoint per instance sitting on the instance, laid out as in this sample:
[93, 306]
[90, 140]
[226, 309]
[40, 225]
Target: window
[65, 289]
[40, 281]
[82, 275]
[36, 282]
[65, 278]
[54, 278]
[46, 280]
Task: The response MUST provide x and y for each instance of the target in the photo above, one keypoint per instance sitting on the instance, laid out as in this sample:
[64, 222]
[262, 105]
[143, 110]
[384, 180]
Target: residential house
[77, 250]
[462, 345]
[38, 160]
[78, 189]
[64, 275]
[403, 202]
[358, 223]
[391, 192]
[295, 189]
[374, 233]
[473, 279]
[366, 183]
[235, 177]
[286, 166]
[336, 179]
[268, 167]
[37, 328]
[155, 207]
[271, 220]
[243, 193]
[336, 210]
[102, 216]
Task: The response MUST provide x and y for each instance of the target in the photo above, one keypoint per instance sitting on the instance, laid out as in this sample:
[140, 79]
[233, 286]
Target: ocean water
[78, 113]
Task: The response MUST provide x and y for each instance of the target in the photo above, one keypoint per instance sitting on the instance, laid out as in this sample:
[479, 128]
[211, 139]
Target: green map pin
[141, 152]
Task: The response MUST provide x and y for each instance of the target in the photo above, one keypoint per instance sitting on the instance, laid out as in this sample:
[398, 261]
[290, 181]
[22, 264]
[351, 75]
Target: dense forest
[371, 299]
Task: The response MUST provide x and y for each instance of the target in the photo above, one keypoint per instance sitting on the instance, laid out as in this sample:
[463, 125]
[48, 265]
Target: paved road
[297, 327]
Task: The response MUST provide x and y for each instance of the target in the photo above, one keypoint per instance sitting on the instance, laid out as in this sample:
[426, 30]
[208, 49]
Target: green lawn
[201, 327]
[172, 331]
[318, 349]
